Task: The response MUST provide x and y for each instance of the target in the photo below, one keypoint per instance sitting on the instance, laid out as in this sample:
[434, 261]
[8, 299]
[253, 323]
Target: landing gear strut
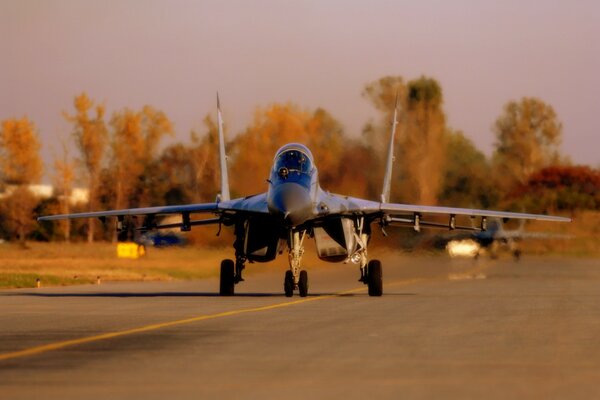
[240, 262]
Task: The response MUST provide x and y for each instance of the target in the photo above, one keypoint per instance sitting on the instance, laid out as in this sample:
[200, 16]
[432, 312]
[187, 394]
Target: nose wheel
[289, 285]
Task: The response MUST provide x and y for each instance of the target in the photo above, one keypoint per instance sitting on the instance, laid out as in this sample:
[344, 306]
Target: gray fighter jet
[493, 239]
[293, 208]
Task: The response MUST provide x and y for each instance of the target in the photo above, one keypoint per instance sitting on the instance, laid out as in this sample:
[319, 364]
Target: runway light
[97, 280]
[462, 248]
[38, 283]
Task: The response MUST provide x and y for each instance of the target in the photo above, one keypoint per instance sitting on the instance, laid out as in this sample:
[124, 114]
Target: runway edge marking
[110, 335]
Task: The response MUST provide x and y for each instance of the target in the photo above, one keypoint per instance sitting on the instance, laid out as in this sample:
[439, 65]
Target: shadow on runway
[189, 294]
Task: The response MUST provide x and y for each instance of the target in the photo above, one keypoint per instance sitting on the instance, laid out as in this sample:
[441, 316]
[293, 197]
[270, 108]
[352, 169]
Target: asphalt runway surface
[444, 328]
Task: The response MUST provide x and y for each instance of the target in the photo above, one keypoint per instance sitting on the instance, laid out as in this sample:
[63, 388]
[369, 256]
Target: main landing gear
[372, 275]
[231, 274]
[227, 284]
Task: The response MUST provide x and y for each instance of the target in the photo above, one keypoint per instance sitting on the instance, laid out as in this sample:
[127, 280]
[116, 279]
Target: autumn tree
[188, 173]
[355, 171]
[134, 143]
[64, 169]
[467, 178]
[91, 138]
[275, 126]
[21, 166]
[155, 125]
[422, 145]
[204, 161]
[420, 139]
[557, 188]
[528, 136]
[382, 95]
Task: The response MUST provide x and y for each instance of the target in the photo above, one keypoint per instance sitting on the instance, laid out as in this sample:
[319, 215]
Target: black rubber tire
[288, 284]
[303, 283]
[375, 278]
[227, 284]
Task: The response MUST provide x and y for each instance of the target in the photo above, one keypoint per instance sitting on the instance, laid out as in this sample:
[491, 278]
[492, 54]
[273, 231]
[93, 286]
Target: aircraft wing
[393, 208]
[166, 210]
[253, 204]
[531, 235]
[395, 213]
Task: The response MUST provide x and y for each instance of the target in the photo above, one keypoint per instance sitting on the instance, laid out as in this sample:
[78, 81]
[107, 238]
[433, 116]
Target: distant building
[78, 195]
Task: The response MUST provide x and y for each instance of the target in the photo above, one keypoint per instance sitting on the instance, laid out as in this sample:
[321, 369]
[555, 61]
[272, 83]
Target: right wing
[158, 211]
[248, 205]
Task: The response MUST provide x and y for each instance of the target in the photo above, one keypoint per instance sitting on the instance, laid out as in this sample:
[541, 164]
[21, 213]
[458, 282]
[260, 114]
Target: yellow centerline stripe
[66, 343]
[110, 335]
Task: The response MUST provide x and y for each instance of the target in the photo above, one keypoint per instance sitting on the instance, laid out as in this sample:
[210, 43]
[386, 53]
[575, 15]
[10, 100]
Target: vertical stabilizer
[222, 156]
[387, 180]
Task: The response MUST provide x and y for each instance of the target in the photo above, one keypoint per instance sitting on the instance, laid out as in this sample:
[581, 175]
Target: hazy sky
[175, 55]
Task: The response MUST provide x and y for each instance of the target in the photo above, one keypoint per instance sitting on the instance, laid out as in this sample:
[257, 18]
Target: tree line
[120, 161]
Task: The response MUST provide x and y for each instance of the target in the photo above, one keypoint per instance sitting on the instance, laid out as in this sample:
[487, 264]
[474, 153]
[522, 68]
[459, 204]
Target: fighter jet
[496, 237]
[294, 208]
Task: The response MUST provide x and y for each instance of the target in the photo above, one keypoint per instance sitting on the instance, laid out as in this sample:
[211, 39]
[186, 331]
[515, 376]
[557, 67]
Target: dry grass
[67, 264]
[63, 264]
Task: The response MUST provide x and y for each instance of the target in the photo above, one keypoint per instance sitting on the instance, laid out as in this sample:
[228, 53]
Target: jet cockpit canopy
[293, 160]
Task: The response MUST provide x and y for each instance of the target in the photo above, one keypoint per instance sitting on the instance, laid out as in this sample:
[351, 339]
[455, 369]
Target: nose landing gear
[302, 285]
[294, 277]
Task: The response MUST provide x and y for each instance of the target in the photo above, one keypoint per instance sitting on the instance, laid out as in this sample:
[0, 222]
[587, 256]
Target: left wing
[394, 213]
[393, 208]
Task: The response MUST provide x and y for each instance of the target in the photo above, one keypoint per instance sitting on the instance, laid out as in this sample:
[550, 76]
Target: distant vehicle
[493, 239]
[295, 207]
[159, 239]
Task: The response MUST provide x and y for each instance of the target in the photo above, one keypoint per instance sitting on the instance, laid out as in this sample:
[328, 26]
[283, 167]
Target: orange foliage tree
[528, 136]
[134, 144]
[253, 151]
[560, 188]
[188, 173]
[21, 166]
[420, 136]
[64, 170]
[91, 138]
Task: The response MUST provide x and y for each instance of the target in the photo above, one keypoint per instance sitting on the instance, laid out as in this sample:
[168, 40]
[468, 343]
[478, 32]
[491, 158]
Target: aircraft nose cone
[291, 202]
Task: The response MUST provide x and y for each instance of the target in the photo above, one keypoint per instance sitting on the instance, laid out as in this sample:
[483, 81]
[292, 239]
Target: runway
[445, 328]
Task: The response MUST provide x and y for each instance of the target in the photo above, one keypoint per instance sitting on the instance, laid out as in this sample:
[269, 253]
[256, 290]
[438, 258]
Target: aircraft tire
[375, 278]
[288, 284]
[227, 282]
[303, 284]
